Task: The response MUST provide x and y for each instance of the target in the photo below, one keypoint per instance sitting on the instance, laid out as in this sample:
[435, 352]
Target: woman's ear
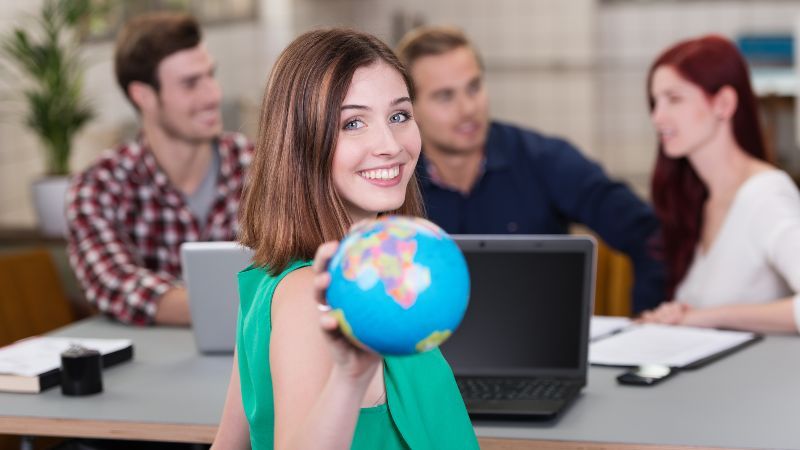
[725, 102]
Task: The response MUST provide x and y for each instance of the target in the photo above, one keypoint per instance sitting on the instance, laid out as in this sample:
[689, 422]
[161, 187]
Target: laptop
[521, 349]
[210, 273]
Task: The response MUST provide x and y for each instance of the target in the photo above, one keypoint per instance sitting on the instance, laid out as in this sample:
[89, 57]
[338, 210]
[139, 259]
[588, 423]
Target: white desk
[170, 393]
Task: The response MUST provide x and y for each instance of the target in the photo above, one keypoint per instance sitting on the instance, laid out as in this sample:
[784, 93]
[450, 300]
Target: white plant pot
[49, 199]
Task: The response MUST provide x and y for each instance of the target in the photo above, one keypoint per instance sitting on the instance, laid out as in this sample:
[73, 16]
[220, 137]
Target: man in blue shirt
[486, 177]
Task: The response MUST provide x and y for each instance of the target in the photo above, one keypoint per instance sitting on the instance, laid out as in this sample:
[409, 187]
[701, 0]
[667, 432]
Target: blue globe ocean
[399, 285]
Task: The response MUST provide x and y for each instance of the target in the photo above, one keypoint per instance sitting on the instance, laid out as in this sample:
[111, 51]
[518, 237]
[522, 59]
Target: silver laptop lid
[210, 273]
[530, 304]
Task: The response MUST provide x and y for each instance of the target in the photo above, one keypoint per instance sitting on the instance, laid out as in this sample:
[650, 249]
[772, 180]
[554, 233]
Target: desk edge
[108, 429]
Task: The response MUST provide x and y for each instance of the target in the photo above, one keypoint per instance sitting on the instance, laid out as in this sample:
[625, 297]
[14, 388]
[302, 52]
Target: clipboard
[756, 337]
[679, 347]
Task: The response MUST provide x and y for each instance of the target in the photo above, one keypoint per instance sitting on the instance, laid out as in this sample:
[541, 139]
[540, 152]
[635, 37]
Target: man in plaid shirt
[179, 180]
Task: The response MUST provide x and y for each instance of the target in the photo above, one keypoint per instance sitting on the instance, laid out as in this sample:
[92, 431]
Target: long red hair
[711, 63]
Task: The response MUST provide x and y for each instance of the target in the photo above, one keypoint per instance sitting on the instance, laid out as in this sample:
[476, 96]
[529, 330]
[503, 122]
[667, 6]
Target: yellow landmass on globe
[433, 340]
[345, 327]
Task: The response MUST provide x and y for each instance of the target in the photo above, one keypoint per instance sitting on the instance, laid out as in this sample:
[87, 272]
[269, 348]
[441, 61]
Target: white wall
[631, 35]
[574, 68]
[19, 156]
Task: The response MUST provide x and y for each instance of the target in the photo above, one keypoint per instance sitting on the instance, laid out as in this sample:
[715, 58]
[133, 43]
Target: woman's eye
[399, 117]
[353, 124]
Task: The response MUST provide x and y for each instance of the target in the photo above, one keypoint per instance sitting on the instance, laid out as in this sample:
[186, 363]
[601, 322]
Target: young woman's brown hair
[290, 205]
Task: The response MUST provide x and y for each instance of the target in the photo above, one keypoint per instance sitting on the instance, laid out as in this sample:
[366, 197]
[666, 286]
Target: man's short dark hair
[148, 39]
[431, 41]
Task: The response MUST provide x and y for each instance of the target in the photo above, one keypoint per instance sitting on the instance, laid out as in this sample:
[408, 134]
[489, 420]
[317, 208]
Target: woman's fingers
[322, 278]
[324, 254]
[668, 313]
[322, 281]
[330, 326]
[328, 322]
[664, 313]
[672, 313]
[341, 347]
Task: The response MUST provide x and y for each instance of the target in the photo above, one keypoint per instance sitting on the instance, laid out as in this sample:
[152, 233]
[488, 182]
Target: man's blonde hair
[430, 41]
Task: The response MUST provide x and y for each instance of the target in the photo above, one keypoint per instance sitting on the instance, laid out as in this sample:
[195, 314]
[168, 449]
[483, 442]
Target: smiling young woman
[338, 143]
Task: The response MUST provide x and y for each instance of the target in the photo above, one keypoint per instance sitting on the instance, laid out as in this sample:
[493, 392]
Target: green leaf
[53, 70]
[74, 11]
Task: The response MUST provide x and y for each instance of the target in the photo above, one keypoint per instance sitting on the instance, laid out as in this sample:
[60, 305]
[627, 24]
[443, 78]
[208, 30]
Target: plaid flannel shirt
[127, 222]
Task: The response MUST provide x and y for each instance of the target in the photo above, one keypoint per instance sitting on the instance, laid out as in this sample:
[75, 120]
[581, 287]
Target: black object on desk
[81, 371]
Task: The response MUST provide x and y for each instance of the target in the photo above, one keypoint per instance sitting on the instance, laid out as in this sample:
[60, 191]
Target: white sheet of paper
[674, 346]
[33, 356]
[604, 325]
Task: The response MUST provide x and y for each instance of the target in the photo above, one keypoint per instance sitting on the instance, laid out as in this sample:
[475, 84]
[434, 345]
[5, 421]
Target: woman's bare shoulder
[294, 294]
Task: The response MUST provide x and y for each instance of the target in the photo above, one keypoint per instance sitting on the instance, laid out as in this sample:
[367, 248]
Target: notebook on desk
[210, 273]
[521, 349]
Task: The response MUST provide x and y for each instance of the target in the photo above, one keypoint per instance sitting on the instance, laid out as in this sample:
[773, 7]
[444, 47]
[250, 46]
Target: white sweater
[755, 257]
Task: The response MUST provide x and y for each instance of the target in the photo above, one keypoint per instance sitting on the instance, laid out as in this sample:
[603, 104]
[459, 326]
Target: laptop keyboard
[484, 388]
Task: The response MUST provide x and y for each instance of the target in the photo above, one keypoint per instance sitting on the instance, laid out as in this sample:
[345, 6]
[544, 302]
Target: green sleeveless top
[423, 408]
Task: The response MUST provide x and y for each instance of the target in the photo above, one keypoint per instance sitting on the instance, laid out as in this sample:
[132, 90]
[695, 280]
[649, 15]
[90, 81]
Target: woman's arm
[319, 378]
[774, 230]
[774, 317]
[778, 316]
[234, 431]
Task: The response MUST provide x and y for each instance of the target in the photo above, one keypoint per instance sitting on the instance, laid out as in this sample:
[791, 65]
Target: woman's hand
[351, 361]
[676, 313]
[669, 313]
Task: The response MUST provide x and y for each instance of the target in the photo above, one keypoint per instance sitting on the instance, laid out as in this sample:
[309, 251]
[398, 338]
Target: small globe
[399, 285]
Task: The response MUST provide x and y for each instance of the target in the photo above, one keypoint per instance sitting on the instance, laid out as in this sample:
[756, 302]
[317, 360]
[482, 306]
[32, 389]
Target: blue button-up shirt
[534, 184]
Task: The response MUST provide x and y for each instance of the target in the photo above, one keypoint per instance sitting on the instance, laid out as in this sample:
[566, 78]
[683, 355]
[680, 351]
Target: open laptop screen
[527, 313]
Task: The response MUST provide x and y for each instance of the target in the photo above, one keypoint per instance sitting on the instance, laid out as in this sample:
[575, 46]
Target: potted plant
[47, 57]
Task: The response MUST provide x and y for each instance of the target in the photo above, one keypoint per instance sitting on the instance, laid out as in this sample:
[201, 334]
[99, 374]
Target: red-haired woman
[731, 220]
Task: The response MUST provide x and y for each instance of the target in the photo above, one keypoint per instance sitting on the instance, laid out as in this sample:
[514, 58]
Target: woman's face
[682, 113]
[378, 144]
